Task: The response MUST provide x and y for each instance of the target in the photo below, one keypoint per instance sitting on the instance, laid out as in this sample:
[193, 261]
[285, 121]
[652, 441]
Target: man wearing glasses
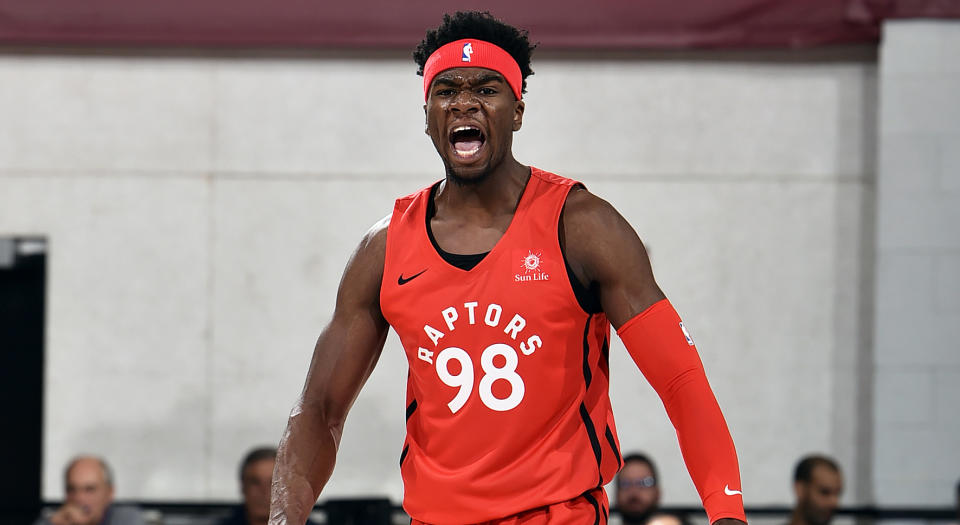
[638, 493]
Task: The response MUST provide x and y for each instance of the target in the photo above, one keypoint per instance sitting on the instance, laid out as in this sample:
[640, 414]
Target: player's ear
[518, 115]
[426, 128]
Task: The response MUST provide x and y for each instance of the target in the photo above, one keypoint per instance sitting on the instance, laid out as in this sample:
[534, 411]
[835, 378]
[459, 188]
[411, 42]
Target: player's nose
[464, 100]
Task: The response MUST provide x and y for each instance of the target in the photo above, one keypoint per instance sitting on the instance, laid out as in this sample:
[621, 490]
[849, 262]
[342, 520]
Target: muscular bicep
[603, 249]
[349, 346]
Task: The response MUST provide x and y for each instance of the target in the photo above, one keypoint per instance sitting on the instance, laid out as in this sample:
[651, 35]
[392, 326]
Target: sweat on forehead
[470, 52]
[455, 76]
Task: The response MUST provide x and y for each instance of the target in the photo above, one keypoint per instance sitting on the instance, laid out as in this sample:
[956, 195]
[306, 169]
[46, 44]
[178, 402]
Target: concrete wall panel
[917, 328]
[127, 324]
[236, 189]
[71, 114]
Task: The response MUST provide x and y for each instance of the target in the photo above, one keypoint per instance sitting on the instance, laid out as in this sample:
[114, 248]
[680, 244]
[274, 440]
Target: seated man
[667, 518]
[89, 486]
[817, 484]
[958, 501]
[638, 494]
[256, 473]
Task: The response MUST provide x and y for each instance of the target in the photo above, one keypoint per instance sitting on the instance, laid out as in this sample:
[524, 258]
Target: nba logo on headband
[461, 53]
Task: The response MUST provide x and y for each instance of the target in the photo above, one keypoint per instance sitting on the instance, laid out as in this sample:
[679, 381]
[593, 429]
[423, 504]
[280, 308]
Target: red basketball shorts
[590, 508]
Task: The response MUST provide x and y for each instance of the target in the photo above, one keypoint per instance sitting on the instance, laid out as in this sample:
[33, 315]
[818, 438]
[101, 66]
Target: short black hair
[804, 469]
[257, 454]
[480, 25]
[642, 458]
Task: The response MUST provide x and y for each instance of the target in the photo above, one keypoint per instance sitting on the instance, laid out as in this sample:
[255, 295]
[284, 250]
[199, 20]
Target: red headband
[472, 53]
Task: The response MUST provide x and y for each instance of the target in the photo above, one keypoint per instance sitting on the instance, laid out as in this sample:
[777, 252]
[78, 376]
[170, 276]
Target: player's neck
[499, 192]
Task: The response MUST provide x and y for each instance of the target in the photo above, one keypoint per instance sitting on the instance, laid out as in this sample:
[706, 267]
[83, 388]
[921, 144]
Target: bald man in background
[89, 486]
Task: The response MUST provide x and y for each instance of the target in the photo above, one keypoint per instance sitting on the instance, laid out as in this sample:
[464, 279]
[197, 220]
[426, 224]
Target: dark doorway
[23, 263]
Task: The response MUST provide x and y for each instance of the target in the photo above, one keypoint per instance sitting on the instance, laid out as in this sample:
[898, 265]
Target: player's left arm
[604, 250]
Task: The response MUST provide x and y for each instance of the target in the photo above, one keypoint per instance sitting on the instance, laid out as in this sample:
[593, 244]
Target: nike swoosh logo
[401, 281]
[728, 492]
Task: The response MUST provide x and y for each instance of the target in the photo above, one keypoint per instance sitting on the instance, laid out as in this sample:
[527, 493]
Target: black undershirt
[588, 298]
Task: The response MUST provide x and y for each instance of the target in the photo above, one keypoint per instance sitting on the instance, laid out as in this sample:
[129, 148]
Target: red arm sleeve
[666, 356]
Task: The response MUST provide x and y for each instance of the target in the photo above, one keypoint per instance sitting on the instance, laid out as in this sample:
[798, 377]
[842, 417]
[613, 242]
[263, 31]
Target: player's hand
[728, 521]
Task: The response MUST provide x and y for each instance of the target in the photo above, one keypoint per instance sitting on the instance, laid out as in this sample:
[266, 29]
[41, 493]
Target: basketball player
[502, 281]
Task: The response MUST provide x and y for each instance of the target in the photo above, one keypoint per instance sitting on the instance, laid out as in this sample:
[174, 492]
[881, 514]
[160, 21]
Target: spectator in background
[958, 501]
[256, 475]
[88, 482]
[666, 518]
[817, 485]
[638, 493]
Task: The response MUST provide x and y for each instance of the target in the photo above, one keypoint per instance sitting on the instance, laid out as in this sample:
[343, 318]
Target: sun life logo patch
[467, 52]
[532, 268]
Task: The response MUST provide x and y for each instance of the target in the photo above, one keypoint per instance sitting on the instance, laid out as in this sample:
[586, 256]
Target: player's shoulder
[552, 178]
[371, 252]
[376, 236]
[588, 213]
[404, 202]
[580, 207]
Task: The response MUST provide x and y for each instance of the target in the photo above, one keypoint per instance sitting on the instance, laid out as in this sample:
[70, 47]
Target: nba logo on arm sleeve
[686, 334]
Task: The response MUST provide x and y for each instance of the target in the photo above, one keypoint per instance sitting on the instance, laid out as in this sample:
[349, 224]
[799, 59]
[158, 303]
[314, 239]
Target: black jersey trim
[594, 441]
[588, 297]
[411, 408]
[403, 455]
[596, 507]
[587, 373]
[613, 446]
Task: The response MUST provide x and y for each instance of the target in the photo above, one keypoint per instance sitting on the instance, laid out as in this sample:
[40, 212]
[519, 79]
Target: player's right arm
[344, 356]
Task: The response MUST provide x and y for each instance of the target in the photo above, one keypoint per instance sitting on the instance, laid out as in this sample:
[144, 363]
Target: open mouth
[467, 140]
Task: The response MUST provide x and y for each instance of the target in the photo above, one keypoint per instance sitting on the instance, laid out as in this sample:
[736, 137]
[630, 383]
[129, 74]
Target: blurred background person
[88, 482]
[817, 486]
[667, 518]
[638, 493]
[256, 474]
[958, 501]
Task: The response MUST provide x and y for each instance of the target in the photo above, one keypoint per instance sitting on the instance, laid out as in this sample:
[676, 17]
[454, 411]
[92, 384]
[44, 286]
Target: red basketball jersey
[507, 391]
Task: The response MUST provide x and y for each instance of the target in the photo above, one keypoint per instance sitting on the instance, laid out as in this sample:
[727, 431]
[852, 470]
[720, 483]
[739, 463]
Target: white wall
[200, 211]
[917, 333]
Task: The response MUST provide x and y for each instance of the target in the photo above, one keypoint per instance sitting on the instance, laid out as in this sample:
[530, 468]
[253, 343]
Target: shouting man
[502, 281]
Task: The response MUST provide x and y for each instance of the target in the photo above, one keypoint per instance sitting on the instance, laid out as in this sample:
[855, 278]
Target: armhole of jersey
[394, 216]
[588, 297]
